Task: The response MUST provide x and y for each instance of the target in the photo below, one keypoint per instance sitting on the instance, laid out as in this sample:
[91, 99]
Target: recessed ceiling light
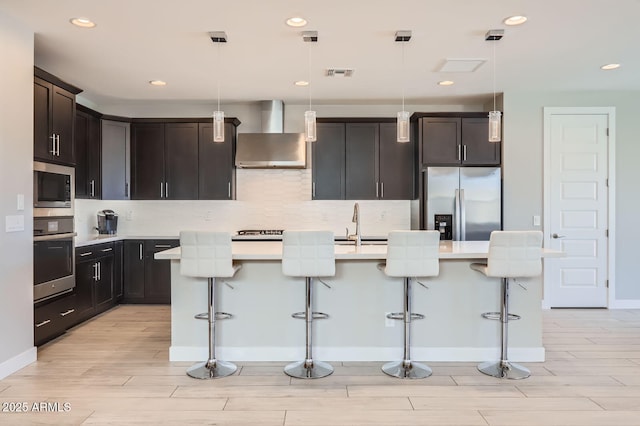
[445, 83]
[82, 22]
[296, 21]
[301, 83]
[515, 20]
[610, 66]
[157, 83]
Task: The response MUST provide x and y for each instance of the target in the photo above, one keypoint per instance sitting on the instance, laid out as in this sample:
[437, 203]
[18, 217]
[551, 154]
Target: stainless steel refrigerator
[463, 203]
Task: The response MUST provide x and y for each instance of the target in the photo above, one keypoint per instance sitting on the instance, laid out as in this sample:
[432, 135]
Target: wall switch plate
[536, 220]
[388, 322]
[14, 223]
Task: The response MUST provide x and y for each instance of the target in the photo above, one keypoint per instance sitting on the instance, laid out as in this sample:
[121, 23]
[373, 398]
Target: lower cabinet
[147, 280]
[95, 283]
[53, 317]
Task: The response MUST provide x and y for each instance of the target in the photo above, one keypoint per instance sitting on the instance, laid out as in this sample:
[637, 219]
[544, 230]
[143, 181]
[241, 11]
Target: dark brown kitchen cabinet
[118, 270]
[88, 150]
[164, 161]
[457, 141]
[115, 164]
[327, 158]
[147, 280]
[94, 290]
[216, 171]
[53, 317]
[360, 159]
[53, 129]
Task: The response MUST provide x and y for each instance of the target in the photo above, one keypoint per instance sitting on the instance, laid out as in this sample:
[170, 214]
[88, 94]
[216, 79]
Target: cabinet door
[181, 161]
[42, 112]
[104, 284]
[215, 163]
[441, 141]
[157, 273]
[476, 148]
[327, 156]
[94, 148]
[147, 161]
[118, 252]
[115, 160]
[396, 165]
[64, 111]
[133, 270]
[361, 161]
[81, 146]
[85, 278]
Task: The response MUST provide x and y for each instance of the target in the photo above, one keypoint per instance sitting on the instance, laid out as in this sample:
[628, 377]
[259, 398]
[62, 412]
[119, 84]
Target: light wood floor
[115, 370]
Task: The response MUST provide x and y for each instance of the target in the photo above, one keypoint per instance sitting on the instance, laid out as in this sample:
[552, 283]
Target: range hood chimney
[272, 148]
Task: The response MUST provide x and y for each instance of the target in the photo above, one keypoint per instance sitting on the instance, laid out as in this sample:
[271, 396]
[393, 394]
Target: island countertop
[272, 250]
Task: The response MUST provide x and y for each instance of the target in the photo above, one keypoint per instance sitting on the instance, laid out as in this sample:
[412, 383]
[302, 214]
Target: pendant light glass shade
[495, 126]
[403, 126]
[310, 126]
[218, 126]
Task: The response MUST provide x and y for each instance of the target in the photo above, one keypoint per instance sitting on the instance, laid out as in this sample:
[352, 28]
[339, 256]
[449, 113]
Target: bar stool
[410, 254]
[208, 255]
[308, 254]
[512, 254]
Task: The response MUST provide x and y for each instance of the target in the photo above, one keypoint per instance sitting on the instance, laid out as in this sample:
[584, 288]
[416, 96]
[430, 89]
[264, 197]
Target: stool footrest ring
[315, 315]
[496, 316]
[400, 316]
[219, 316]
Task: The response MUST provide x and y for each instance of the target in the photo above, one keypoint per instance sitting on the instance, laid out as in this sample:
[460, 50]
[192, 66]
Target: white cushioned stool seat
[512, 254]
[208, 255]
[410, 254]
[308, 254]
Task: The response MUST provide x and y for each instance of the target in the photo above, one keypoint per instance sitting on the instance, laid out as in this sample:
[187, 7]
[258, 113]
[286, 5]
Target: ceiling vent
[340, 72]
[461, 65]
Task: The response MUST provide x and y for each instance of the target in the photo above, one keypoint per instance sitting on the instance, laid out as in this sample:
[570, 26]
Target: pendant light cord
[309, 72]
[494, 75]
[219, 68]
[403, 75]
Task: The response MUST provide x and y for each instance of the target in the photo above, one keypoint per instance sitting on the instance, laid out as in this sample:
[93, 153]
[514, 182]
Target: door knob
[556, 236]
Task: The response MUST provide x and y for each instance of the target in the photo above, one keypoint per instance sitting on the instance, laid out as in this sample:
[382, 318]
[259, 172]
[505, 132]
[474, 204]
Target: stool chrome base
[204, 370]
[308, 370]
[407, 370]
[504, 370]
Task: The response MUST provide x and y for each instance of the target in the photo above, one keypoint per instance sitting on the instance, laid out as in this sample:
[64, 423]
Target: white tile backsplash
[266, 199]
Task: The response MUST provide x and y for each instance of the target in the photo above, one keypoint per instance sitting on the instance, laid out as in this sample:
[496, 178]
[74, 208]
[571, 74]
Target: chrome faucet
[357, 238]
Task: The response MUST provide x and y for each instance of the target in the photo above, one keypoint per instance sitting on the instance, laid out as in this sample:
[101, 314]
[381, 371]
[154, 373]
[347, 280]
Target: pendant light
[402, 126]
[309, 116]
[495, 117]
[218, 37]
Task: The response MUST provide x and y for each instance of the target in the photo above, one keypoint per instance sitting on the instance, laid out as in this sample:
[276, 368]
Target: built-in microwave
[53, 190]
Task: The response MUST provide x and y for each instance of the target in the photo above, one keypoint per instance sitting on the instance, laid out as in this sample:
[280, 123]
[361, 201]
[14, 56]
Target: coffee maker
[107, 222]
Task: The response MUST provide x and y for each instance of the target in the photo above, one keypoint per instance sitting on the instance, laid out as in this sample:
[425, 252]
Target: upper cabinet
[359, 159]
[54, 104]
[115, 160]
[456, 140]
[179, 161]
[87, 153]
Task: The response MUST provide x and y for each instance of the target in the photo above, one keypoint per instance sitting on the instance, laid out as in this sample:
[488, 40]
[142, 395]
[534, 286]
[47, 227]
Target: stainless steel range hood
[271, 148]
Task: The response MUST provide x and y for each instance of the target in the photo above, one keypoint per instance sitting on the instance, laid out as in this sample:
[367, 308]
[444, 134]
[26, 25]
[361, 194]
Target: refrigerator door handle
[456, 216]
[463, 219]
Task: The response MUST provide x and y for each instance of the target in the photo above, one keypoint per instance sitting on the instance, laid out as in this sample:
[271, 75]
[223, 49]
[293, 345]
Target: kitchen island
[262, 300]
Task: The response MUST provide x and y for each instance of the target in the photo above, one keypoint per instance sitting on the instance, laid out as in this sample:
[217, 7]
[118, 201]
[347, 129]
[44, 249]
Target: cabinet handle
[313, 189]
[381, 189]
[377, 190]
[140, 251]
[95, 272]
[53, 144]
[99, 272]
[458, 152]
[161, 189]
[229, 189]
[64, 314]
[89, 253]
[126, 189]
[93, 188]
[163, 245]
[45, 322]
[166, 190]
[107, 249]
[58, 149]
[464, 153]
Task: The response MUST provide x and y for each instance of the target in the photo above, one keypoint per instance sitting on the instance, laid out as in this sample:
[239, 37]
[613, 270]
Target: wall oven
[53, 190]
[53, 260]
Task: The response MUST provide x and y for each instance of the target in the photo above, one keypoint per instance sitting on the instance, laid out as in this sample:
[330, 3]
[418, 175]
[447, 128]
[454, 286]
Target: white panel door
[578, 209]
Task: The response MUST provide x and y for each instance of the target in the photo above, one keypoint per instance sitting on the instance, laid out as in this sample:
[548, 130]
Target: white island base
[360, 296]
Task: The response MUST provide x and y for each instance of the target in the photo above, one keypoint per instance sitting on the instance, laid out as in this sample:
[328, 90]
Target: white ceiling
[561, 47]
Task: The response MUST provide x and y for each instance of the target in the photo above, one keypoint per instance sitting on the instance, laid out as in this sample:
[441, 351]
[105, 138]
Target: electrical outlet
[128, 215]
[388, 322]
[536, 220]
[208, 216]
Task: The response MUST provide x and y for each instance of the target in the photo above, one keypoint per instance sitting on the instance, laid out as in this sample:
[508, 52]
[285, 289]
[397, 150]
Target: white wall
[16, 176]
[523, 168]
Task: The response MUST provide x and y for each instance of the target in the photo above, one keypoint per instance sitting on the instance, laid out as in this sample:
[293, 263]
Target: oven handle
[54, 237]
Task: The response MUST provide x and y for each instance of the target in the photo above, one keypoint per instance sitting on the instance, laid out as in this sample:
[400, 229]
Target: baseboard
[196, 353]
[18, 362]
[625, 304]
